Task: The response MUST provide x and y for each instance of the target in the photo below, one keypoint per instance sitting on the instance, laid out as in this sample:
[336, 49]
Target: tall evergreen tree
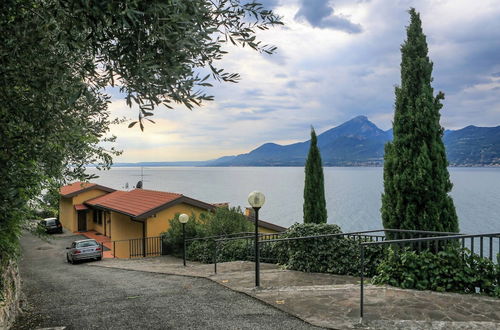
[416, 178]
[314, 188]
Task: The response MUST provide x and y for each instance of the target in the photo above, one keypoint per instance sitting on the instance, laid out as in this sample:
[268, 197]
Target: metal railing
[429, 244]
[138, 247]
[145, 247]
[361, 236]
[263, 237]
[215, 239]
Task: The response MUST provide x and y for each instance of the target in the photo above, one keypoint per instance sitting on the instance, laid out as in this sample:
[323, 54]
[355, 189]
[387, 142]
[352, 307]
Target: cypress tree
[416, 179]
[314, 188]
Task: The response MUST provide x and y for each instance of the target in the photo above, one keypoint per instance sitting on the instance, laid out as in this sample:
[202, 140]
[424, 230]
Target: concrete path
[59, 295]
[333, 301]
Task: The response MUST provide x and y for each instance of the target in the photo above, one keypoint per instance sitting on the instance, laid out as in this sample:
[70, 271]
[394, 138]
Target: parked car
[83, 250]
[51, 225]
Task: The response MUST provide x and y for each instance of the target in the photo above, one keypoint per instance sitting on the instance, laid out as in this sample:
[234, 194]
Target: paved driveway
[84, 297]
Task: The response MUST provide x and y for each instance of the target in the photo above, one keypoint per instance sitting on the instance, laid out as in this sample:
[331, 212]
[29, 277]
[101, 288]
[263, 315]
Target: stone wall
[10, 295]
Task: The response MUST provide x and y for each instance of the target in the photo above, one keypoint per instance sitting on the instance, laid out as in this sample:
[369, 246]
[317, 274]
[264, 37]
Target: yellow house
[73, 214]
[130, 219]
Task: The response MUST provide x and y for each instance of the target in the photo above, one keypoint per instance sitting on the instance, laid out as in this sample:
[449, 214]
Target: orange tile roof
[224, 204]
[80, 207]
[135, 202]
[77, 187]
[74, 187]
[104, 198]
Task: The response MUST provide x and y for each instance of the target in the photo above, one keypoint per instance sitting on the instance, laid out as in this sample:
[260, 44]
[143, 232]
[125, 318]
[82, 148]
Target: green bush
[452, 269]
[172, 239]
[203, 251]
[336, 255]
[223, 221]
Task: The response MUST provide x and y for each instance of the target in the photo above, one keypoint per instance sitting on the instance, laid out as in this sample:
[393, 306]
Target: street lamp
[184, 218]
[256, 199]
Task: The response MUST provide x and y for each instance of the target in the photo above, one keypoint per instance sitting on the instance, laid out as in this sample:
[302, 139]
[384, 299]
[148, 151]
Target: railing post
[257, 259]
[361, 275]
[481, 246]
[114, 249]
[215, 256]
[491, 248]
[184, 244]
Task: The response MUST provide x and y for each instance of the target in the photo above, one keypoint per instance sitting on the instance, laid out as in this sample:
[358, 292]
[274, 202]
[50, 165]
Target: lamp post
[184, 218]
[256, 199]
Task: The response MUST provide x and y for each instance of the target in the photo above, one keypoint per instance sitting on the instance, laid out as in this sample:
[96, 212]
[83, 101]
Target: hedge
[336, 255]
[452, 270]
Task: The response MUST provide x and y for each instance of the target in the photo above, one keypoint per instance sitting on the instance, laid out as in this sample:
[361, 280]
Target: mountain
[479, 146]
[359, 142]
[355, 142]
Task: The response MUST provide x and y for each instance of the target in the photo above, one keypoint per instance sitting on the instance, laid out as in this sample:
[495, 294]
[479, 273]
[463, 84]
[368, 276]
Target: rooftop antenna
[140, 183]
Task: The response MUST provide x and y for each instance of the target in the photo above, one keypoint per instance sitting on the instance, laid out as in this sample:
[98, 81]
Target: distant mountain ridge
[359, 142]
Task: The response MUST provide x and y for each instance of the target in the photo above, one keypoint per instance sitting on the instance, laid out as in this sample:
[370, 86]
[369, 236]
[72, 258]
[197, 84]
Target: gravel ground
[58, 294]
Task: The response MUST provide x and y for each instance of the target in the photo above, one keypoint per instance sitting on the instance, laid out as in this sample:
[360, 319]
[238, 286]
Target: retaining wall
[10, 287]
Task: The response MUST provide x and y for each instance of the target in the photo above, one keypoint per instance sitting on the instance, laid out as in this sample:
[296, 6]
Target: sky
[336, 60]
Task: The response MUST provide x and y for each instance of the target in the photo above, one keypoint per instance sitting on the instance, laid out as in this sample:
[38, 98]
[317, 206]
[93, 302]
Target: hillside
[359, 142]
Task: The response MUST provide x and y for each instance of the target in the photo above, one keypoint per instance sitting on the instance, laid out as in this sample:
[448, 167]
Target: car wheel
[69, 260]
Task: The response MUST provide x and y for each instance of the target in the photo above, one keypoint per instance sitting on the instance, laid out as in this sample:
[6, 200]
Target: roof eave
[99, 187]
[179, 200]
[106, 208]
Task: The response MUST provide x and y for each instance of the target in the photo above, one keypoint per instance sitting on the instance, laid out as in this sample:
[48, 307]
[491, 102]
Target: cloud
[329, 78]
[320, 14]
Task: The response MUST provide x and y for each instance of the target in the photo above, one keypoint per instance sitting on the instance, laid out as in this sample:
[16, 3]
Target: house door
[82, 221]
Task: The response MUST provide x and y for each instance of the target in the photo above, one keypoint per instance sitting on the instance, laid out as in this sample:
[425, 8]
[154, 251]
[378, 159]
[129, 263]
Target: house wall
[67, 213]
[86, 195]
[90, 223]
[161, 223]
[107, 227]
[122, 228]
[98, 227]
[266, 230]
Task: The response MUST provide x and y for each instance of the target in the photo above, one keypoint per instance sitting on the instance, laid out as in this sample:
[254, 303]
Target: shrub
[203, 251]
[452, 270]
[172, 239]
[337, 255]
[223, 221]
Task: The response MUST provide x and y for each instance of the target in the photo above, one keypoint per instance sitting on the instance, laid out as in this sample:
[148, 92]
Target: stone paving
[332, 301]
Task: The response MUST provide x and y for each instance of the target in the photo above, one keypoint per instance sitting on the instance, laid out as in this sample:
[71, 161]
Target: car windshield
[50, 222]
[86, 244]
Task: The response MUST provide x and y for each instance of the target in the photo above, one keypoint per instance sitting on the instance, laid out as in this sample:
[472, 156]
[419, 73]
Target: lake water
[353, 193]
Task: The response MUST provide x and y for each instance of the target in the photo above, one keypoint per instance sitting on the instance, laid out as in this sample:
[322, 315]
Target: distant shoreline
[346, 166]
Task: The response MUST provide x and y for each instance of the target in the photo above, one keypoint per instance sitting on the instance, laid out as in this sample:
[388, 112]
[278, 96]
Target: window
[98, 215]
[86, 244]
